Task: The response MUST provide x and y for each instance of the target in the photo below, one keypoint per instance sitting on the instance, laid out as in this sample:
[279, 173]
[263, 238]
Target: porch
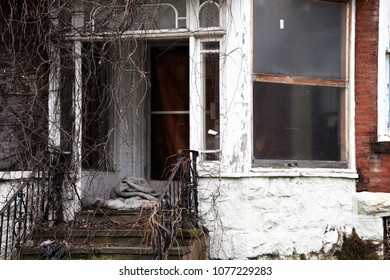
[33, 221]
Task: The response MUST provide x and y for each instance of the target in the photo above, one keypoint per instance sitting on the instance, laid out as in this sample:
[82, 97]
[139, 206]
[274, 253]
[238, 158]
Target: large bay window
[299, 82]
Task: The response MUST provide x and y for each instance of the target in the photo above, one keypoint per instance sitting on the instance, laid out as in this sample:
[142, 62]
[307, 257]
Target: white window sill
[287, 172]
[384, 137]
[305, 172]
[14, 175]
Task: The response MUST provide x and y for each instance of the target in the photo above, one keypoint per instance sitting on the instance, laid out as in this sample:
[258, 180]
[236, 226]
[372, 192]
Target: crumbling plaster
[249, 217]
[254, 217]
[252, 212]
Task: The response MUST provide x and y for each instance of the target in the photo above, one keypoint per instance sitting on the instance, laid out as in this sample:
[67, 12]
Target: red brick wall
[373, 167]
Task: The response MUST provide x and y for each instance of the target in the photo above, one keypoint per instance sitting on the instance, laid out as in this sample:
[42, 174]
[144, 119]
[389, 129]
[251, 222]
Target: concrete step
[96, 251]
[100, 216]
[113, 234]
[117, 244]
[109, 236]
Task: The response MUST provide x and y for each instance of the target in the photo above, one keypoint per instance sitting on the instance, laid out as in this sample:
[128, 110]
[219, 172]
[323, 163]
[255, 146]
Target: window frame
[314, 81]
[383, 104]
[97, 130]
[203, 53]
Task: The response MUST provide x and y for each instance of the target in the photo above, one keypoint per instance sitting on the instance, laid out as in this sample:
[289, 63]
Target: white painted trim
[283, 173]
[77, 111]
[196, 108]
[351, 90]
[78, 22]
[54, 115]
[150, 34]
[15, 175]
[203, 129]
[54, 103]
[383, 71]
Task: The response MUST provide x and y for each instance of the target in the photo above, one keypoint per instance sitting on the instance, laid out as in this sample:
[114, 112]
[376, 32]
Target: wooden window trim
[267, 78]
[288, 164]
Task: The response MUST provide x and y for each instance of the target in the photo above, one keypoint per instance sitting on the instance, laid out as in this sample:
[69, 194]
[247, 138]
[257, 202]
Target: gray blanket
[133, 187]
[130, 193]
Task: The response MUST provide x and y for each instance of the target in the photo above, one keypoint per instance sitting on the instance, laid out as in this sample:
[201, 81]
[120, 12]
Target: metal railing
[179, 202]
[18, 216]
[386, 238]
[37, 201]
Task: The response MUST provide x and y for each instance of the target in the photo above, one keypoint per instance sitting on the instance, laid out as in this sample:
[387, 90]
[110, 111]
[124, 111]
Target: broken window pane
[300, 38]
[295, 122]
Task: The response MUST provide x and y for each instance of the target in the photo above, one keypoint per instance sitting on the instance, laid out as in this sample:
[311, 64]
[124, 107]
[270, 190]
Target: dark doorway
[169, 107]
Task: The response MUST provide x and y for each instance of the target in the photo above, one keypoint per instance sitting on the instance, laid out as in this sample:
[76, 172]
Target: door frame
[148, 111]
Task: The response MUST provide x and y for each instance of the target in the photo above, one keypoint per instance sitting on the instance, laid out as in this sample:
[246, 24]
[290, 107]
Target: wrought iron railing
[37, 201]
[179, 202]
[18, 217]
[386, 238]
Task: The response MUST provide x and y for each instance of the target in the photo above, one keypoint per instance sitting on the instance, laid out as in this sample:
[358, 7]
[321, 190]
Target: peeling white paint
[256, 217]
[252, 217]
[249, 212]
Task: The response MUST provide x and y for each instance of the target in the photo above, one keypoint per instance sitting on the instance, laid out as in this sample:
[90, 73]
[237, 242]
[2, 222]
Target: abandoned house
[280, 110]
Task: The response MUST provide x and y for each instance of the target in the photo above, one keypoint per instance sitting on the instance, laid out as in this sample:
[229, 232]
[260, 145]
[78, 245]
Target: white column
[196, 98]
[77, 110]
[77, 22]
[54, 104]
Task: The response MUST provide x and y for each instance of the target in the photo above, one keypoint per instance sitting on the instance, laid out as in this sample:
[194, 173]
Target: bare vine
[38, 62]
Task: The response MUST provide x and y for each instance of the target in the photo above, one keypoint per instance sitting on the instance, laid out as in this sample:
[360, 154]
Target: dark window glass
[299, 38]
[299, 71]
[296, 122]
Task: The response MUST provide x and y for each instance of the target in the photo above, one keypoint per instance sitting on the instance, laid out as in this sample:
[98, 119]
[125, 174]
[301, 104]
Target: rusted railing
[179, 202]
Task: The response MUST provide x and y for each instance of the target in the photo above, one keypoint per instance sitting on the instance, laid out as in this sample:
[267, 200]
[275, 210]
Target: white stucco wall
[368, 213]
[284, 217]
[255, 217]
[254, 212]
